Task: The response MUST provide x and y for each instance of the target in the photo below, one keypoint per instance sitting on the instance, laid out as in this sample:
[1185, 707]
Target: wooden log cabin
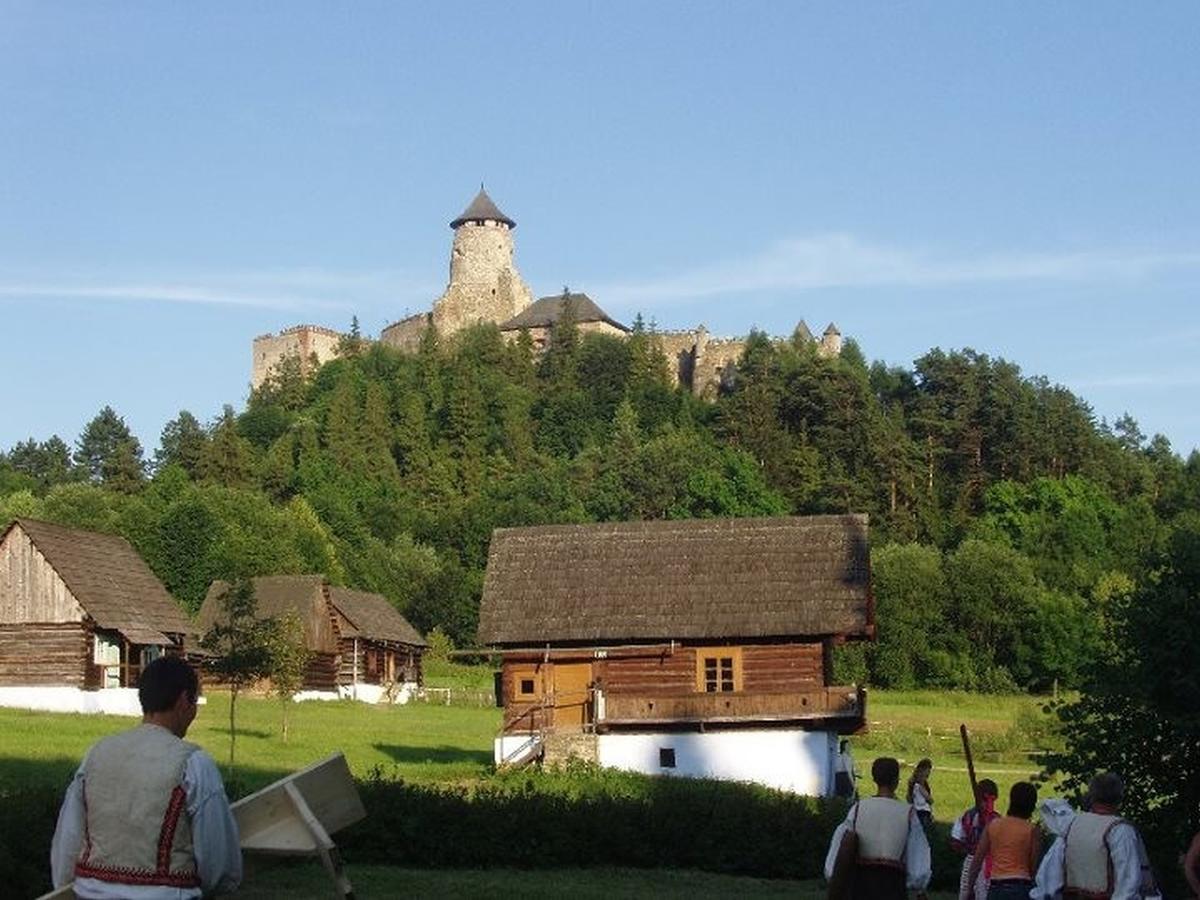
[79, 609]
[355, 638]
[699, 647]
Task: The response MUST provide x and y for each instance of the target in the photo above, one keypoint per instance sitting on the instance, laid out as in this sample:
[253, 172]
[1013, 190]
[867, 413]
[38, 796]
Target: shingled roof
[543, 313]
[109, 579]
[481, 209]
[711, 579]
[275, 595]
[373, 617]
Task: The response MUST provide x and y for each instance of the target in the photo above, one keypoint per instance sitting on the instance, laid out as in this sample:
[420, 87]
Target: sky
[177, 178]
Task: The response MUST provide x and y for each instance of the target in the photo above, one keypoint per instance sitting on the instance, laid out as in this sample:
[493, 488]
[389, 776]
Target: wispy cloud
[281, 289]
[842, 260]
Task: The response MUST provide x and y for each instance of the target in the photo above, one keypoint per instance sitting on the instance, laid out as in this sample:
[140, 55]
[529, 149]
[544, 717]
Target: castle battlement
[485, 286]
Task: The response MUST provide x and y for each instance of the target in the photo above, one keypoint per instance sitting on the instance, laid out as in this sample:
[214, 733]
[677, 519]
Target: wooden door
[572, 697]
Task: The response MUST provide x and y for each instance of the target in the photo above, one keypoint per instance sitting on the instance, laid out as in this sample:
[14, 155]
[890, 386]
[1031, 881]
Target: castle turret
[831, 341]
[485, 285]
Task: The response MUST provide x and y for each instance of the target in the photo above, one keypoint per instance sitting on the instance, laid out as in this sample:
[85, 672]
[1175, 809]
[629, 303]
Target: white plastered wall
[788, 759]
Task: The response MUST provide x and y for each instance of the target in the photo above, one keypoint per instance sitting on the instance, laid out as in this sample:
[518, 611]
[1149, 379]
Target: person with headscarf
[964, 838]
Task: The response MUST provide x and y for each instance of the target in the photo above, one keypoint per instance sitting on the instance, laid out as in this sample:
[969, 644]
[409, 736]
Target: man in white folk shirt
[893, 852]
[1098, 855]
[146, 816]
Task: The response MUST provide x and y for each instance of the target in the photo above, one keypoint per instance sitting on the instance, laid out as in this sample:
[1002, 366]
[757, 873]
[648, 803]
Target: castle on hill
[486, 287]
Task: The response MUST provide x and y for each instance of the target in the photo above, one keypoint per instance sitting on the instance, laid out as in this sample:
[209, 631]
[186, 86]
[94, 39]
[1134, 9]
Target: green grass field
[289, 882]
[438, 744]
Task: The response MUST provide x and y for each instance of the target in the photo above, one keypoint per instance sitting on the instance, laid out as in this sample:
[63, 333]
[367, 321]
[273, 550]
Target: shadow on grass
[444, 754]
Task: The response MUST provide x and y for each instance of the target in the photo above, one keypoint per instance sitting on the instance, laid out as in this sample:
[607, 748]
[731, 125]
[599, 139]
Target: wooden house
[79, 609]
[356, 639]
[698, 647]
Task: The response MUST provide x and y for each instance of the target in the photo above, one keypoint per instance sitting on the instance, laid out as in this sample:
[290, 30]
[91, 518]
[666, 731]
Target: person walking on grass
[964, 839]
[1012, 845]
[920, 795]
[844, 775]
[146, 816]
[885, 852]
[1099, 854]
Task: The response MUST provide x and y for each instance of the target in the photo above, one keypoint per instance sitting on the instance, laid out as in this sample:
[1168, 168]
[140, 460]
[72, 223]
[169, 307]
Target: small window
[719, 671]
[106, 650]
[666, 757]
[526, 687]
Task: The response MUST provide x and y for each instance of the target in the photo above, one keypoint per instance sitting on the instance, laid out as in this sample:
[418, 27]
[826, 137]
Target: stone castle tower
[484, 286]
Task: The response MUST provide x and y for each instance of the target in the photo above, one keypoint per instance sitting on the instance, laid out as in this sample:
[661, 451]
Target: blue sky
[178, 178]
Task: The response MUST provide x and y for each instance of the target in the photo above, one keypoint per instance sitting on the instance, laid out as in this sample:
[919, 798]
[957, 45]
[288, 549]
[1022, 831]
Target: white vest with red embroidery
[882, 827]
[1086, 860]
[136, 823]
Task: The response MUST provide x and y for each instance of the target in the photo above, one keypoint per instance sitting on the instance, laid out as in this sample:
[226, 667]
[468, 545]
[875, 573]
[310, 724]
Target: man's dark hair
[885, 772]
[163, 681]
[1107, 788]
[1022, 799]
[987, 788]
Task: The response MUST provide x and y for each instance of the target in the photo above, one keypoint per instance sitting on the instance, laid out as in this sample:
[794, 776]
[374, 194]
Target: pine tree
[228, 458]
[182, 443]
[340, 434]
[100, 444]
[376, 434]
[466, 425]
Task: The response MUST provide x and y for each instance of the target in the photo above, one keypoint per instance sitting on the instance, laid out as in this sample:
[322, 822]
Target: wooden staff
[966, 742]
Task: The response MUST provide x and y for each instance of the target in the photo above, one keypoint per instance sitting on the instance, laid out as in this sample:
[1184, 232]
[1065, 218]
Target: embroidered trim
[185, 879]
[882, 863]
[166, 837]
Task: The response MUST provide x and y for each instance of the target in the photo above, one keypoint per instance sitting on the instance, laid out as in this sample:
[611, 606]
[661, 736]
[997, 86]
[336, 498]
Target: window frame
[531, 673]
[716, 654]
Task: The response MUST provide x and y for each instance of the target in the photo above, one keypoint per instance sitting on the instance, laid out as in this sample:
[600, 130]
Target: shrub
[584, 815]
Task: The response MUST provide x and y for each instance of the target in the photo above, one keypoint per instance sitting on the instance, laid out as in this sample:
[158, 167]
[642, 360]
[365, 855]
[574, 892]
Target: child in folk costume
[920, 795]
[965, 834]
[880, 851]
[1011, 845]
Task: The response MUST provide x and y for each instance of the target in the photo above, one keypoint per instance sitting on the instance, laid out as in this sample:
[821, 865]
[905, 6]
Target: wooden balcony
[847, 705]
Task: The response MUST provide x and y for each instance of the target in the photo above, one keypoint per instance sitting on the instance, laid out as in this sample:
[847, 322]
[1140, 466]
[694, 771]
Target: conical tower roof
[482, 208]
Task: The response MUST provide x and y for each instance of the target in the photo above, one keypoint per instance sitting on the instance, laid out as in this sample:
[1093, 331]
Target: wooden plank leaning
[295, 816]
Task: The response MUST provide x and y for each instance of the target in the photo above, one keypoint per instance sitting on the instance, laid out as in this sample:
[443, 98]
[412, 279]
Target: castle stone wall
[303, 341]
[540, 337]
[715, 362]
[485, 285]
[406, 334]
[679, 347]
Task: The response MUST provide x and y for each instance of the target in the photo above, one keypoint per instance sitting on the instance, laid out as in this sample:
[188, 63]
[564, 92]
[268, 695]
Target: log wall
[793, 672]
[321, 673]
[782, 667]
[58, 653]
[30, 589]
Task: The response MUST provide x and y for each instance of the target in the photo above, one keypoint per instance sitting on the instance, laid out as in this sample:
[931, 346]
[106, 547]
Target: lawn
[291, 881]
[437, 744]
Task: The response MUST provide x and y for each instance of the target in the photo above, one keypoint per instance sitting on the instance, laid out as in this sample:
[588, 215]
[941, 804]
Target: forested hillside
[1006, 522]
